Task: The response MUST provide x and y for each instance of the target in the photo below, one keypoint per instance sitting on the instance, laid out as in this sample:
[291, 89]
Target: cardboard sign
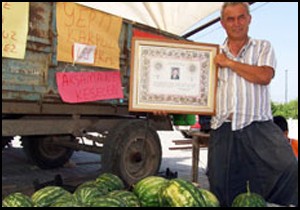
[78, 87]
[80, 24]
[15, 17]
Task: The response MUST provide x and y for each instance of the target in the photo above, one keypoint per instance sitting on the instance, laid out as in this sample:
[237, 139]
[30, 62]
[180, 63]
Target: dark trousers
[258, 153]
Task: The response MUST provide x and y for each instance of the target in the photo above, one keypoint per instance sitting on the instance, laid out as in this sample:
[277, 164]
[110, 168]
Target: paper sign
[84, 53]
[77, 87]
[80, 24]
[15, 16]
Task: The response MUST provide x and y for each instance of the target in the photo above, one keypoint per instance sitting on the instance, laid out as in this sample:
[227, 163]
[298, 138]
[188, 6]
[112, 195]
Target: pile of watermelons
[108, 190]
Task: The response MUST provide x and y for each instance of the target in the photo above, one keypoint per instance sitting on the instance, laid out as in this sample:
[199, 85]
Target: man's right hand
[221, 60]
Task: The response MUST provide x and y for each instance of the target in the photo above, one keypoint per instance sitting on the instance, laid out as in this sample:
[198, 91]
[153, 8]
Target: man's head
[232, 4]
[236, 18]
[282, 123]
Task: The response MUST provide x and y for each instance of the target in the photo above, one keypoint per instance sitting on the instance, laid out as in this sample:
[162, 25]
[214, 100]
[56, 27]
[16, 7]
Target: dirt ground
[18, 174]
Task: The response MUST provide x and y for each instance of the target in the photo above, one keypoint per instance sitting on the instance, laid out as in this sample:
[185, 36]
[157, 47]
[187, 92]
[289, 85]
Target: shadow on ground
[18, 174]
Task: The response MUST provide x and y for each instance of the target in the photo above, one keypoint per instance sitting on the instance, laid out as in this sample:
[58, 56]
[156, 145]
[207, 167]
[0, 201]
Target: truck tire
[41, 151]
[132, 151]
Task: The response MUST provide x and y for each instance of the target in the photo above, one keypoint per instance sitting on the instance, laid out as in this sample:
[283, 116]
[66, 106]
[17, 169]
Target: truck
[51, 129]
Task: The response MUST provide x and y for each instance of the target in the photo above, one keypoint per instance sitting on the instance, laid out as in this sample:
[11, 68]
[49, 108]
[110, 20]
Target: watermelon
[129, 198]
[107, 201]
[210, 200]
[85, 195]
[148, 190]
[46, 196]
[17, 199]
[249, 199]
[182, 193]
[109, 181]
[91, 183]
[67, 200]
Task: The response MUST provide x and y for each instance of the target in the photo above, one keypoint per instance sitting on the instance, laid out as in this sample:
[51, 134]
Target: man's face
[236, 21]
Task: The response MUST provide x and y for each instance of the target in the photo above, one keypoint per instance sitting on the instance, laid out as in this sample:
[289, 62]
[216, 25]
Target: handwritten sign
[80, 24]
[77, 87]
[15, 16]
[84, 53]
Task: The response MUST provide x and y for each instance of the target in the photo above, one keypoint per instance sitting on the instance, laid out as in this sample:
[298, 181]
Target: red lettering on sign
[9, 35]
[81, 21]
[76, 87]
[6, 5]
[11, 48]
[69, 12]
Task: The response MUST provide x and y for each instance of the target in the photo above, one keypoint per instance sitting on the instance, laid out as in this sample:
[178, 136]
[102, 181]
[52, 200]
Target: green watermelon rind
[129, 198]
[67, 200]
[85, 195]
[17, 199]
[182, 193]
[107, 201]
[209, 198]
[47, 195]
[90, 183]
[249, 200]
[148, 190]
[110, 181]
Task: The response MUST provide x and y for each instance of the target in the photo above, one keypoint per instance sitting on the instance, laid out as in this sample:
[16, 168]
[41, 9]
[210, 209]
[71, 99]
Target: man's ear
[250, 19]
[286, 133]
[222, 23]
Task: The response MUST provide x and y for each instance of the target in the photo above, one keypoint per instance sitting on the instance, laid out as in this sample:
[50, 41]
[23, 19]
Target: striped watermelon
[129, 198]
[182, 193]
[17, 199]
[148, 190]
[249, 199]
[110, 181]
[210, 200]
[46, 196]
[90, 183]
[85, 195]
[108, 201]
[67, 200]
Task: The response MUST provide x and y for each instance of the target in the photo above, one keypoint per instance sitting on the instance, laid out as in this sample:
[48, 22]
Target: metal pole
[286, 86]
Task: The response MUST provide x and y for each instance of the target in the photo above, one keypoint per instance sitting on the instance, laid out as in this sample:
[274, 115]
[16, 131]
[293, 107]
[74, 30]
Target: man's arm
[261, 75]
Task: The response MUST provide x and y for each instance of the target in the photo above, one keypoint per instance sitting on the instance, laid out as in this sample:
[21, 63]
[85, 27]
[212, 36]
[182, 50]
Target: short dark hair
[281, 122]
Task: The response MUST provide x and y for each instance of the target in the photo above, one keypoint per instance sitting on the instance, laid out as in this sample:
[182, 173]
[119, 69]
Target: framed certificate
[174, 76]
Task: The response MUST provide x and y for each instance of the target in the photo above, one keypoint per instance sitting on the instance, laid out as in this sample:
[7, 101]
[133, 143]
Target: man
[283, 125]
[245, 143]
[175, 73]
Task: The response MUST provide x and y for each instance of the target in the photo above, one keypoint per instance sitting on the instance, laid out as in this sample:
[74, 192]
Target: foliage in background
[288, 110]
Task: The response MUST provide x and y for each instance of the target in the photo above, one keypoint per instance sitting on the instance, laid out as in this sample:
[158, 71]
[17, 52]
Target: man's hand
[261, 75]
[160, 113]
[222, 61]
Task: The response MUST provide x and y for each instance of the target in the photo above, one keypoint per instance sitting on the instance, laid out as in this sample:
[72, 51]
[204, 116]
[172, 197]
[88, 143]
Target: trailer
[51, 129]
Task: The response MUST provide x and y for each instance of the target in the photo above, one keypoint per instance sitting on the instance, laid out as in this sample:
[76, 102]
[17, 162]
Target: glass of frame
[174, 76]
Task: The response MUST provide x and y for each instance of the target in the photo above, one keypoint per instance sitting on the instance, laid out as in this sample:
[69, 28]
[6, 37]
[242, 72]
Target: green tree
[289, 110]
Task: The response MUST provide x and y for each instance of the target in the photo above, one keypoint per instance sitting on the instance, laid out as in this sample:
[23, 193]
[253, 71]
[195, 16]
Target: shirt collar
[224, 48]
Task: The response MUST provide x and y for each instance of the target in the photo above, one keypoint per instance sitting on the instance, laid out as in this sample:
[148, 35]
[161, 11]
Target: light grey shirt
[248, 102]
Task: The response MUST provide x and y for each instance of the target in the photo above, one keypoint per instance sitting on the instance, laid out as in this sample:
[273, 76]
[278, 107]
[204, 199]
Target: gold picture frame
[152, 86]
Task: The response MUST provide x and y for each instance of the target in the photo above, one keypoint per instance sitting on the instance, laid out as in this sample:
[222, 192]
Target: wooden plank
[180, 142]
[179, 148]
[199, 134]
[199, 140]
